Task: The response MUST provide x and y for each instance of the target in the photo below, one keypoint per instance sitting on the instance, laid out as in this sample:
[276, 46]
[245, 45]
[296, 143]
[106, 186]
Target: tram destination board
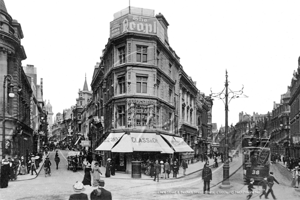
[263, 157]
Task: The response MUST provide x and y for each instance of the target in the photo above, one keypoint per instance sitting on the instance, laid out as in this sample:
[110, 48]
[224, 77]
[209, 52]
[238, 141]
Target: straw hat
[78, 186]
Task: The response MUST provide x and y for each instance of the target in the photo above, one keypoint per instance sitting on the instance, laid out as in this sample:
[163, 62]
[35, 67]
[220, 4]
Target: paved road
[59, 186]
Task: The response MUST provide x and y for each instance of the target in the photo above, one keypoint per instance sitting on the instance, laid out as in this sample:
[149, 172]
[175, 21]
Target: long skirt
[5, 175]
[107, 172]
[87, 178]
[23, 170]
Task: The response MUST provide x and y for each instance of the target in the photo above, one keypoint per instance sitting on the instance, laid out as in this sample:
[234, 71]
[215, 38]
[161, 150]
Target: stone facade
[18, 131]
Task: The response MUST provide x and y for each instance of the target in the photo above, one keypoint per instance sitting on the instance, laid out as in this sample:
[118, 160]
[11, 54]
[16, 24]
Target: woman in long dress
[87, 174]
[23, 170]
[5, 169]
[107, 172]
[96, 174]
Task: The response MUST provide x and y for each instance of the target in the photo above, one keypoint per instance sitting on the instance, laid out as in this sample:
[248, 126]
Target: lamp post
[7, 79]
[235, 94]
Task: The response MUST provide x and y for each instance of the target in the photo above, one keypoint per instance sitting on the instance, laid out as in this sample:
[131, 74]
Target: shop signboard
[85, 143]
[136, 24]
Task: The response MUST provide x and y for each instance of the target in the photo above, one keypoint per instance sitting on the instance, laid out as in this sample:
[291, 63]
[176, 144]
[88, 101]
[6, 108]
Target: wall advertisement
[136, 24]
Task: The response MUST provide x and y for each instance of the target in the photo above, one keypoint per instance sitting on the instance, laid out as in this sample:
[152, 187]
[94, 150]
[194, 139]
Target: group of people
[267, 186]
[164, 169]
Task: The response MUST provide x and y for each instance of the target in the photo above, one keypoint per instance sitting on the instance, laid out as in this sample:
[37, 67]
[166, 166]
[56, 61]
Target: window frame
[121, 84]
[141, 53]
[141, 83]
[121, 114]
[122, 55]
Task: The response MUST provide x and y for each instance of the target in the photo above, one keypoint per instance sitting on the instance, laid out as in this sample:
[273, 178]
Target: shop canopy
[109, 142]
[178, 144]
[145, 142]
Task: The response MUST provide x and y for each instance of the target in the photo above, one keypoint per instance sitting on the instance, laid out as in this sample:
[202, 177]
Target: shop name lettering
[143, 140]
[140, 25]
[113, 139]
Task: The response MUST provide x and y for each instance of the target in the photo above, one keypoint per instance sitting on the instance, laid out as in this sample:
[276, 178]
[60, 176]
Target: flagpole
[129, 6]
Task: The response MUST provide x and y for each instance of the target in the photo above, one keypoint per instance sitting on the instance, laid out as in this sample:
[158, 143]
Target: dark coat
[87, 177]
[56, 159]
[80, 196]
[264, 184]
[207, 174]
[105, 195]
[250, 187]
[157, 168]
[271, 180]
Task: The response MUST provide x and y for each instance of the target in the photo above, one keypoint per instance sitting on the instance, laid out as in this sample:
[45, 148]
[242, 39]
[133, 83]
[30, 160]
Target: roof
[2, 6]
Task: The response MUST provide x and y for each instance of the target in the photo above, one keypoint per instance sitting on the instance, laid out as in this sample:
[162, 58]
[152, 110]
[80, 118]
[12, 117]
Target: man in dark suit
[206, 177]
[100, 193]
[157, 169]
[271, 180]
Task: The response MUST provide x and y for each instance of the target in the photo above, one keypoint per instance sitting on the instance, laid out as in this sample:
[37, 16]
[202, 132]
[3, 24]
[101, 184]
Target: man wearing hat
[32, 165]
[271, 180]
[156, 171]
[250, 188]
[78, 189]
[108, 165]
[100, 192]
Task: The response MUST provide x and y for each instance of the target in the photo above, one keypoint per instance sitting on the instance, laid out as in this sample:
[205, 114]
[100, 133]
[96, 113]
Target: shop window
[122, 55]
[141, 54]
[121, 84]
[141, 84]
[121, 115]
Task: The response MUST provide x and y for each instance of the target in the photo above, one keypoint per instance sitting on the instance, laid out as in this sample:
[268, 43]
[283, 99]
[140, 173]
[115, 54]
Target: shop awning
[164, 146]
[178, 144]
[109, 142]
[148, 142]
[124, 145]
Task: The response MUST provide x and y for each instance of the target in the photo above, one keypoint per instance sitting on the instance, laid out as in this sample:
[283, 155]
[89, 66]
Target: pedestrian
[264, 184]
[78, 188]
[216, 162]
[108, 165]
[5, 168]
[295, 176]
[33, 165]
[250, 189]
[47, 166]
[96, 174]
[100, 193]
[206, 177]
[162, 169]
[271, 180]
[57, 160]
[151, 169]
[112, 168]
[175, 169]
[157, 169]
[184, 167]
[167, 169]
[87, 174]
[23, 170]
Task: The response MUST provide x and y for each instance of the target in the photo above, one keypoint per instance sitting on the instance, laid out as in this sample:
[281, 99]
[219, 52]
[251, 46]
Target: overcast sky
[256, 41]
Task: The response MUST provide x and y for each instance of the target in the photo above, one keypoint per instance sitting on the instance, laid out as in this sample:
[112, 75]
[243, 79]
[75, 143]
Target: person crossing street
[271, 180]
[57, 160]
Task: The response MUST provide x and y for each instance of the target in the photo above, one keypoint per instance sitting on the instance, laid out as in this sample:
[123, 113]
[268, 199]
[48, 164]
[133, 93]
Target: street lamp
[7, 79]
[222, 96]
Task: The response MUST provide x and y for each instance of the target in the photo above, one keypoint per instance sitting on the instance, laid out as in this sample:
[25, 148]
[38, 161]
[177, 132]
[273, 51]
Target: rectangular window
[141, 54]
[141, 116]
[183, 112]
[170, 69]
[121, 84]
[121, 115]
[170, 95]
[141, 84]
[157, 57]
[121, 55]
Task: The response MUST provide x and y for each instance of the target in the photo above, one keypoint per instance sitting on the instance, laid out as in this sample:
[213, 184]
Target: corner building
[140, 90]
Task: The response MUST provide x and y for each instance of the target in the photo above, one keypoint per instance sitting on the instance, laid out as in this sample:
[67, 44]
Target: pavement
[29, 176]
[192, 168]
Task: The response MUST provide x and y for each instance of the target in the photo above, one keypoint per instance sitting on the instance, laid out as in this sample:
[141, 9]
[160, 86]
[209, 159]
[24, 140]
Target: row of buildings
[281, 125]
[142, 105]
[23, 116]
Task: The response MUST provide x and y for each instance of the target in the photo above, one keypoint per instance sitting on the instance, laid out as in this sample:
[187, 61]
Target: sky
[257, 42]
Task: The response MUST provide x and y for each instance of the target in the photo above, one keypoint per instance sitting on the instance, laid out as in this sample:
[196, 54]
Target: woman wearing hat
[96, 174]
[87, 174]
[5, 168]
[108, 165]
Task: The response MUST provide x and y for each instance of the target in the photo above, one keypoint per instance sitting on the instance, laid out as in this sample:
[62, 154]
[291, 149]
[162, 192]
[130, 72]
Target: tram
[256, 158]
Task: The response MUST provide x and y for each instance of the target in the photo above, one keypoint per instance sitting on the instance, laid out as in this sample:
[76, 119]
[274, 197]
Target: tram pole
[234, 94]
[226, 164]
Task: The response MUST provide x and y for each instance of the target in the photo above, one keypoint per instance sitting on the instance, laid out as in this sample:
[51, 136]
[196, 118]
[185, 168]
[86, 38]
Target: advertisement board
[136, 24]
[85, 143]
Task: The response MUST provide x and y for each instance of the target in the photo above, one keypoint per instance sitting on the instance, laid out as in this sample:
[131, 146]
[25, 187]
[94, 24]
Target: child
[250, 189]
